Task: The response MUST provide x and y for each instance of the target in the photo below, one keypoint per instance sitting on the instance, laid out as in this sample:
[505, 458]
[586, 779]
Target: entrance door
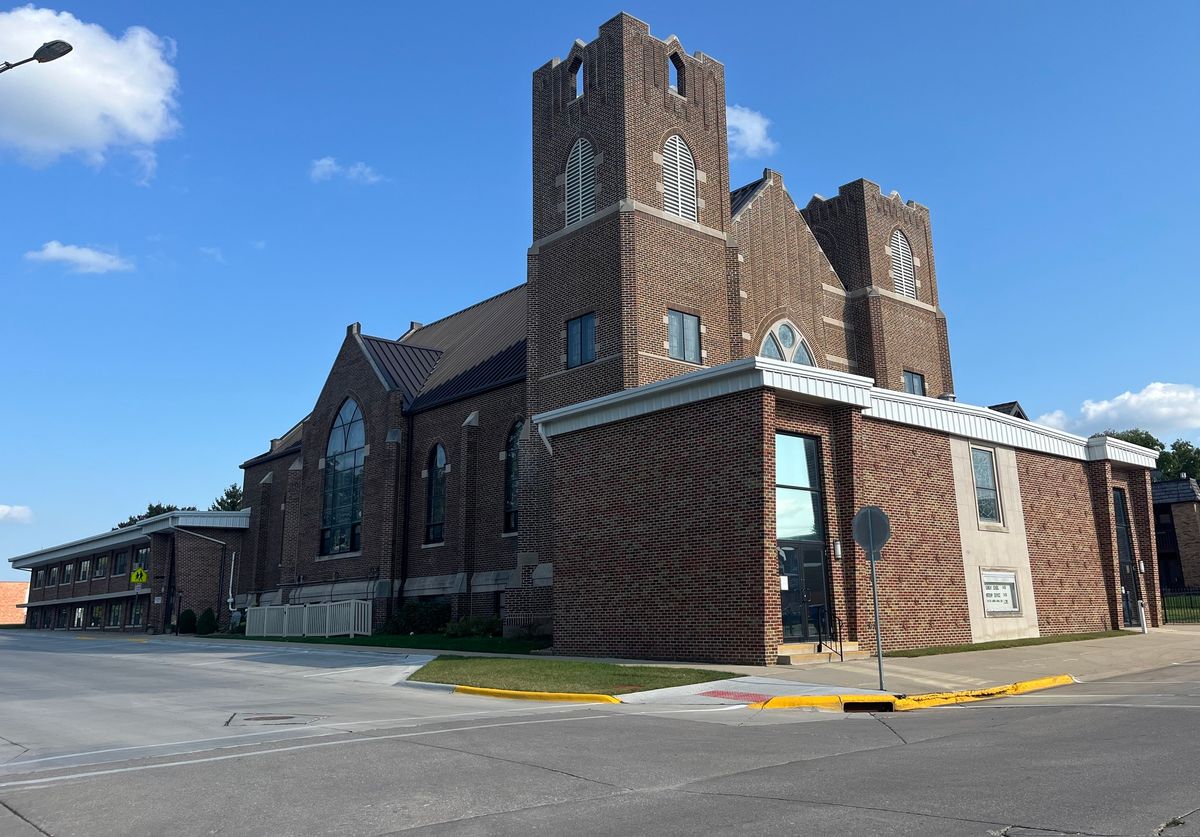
[802, 590]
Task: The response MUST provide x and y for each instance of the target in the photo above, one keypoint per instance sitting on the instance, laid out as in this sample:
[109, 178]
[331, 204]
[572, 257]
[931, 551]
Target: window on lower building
[68, 573]
[53, 582]
[96, 618]
[39, 579]
[115, 611]
[64, 614]
[581, 340]
[137, 612]
[77, 619]
[999, 592]
[914, 383]
[683, 333]
[342, 507]
[435, 495]
[121, 563]
[987, 494]
[512, 475]
[101, 566]
[85, 569]
[798, 513]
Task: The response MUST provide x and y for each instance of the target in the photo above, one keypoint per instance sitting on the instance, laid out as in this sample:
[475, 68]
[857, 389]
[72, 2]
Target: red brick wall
[12, 593]
[1070, 575]
[661, 538]
[907, 472]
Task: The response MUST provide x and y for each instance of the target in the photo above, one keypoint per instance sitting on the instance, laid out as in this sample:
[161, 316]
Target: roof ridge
[400, 343]
[463, 311]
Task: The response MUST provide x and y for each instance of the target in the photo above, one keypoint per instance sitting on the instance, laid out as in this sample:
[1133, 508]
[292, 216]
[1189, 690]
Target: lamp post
[46, 52]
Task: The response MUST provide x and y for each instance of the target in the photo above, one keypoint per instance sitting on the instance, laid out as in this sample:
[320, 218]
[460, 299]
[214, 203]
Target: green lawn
[437, 642]
[560, 675]
[1003, 643]
[1182, 607]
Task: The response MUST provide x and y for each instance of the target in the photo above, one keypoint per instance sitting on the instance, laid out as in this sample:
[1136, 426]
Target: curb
[575, 697]
[908, 703]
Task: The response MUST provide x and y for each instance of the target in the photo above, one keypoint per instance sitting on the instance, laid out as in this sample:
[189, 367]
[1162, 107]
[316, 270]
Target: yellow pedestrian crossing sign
[139, 576]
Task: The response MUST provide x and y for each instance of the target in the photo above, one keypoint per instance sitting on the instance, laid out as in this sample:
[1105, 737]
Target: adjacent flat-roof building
[1177, 526]
[654, 446]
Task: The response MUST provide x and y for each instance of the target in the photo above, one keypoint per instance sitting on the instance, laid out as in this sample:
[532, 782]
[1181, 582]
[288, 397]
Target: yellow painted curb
[576, 697]
[908, 703]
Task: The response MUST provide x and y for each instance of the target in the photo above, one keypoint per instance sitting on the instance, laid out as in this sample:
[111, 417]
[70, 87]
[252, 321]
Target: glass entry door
[1129, 572]
[802, 591]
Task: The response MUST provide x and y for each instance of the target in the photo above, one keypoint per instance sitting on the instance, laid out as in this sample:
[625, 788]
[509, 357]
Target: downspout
[404, 534]
[232, 572]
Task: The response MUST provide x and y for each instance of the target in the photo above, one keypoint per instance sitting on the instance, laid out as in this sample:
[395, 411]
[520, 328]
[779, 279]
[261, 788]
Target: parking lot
[130, 736]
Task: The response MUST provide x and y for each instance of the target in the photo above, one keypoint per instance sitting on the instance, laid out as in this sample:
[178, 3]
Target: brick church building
[654, 446]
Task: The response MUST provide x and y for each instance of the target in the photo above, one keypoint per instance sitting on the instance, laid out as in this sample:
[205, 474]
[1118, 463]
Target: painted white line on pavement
[91, 774]
[278, 731]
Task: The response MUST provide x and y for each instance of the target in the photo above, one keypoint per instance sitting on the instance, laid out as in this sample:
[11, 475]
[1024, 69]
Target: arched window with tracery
[511, 475]
[783, 342]
[580, 182]
[342, 506]
[679, 179]
[904, 276]
[435, 496]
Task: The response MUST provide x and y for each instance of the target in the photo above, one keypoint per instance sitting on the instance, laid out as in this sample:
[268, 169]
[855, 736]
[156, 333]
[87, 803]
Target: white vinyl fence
[349, 618]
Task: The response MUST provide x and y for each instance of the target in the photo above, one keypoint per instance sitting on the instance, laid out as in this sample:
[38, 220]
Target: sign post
[871, 531]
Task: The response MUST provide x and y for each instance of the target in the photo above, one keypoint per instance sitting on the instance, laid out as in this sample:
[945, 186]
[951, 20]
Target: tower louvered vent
[679, 179]
[581, 182]
[903, 275]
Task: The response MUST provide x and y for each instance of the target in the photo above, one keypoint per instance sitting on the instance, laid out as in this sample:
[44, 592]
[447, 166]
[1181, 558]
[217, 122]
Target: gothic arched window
[580, 182]
[904, 277]
[783, 342]
[679, 179]
[511, 475]
[435, 495]
[341, 510]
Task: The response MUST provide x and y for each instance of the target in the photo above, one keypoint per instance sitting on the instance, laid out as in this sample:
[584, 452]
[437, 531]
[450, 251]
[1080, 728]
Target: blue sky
[176, 282]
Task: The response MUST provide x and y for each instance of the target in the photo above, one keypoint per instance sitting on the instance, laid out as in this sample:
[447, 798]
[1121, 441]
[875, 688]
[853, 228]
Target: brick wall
[12, 593]
[1186, 517]
[661, 542]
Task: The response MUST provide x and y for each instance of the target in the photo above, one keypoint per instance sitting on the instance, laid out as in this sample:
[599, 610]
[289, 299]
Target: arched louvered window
[341, 511]
[783, 342]
[679, 179]
[580, 182]
[511, 475]
[435, 496]
[904, 276]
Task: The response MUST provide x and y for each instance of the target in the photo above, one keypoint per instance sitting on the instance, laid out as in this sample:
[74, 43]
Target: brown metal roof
[404, 367]
[482, 347]
[740, 197]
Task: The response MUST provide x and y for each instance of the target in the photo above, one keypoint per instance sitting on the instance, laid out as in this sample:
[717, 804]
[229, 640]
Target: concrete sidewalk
[1086, 660]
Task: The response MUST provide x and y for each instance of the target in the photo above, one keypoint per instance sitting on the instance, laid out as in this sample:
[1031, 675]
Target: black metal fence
[1181, 604]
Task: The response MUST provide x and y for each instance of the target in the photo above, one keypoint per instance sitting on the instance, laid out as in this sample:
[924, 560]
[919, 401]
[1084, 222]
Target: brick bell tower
[630, 220]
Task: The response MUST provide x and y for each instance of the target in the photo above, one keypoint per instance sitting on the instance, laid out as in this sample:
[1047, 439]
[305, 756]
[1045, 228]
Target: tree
[187, 622]
[1181, 458]
[152, 510]
[231, 500]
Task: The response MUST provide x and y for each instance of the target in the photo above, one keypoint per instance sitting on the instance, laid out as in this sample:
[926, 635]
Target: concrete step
[805, 653]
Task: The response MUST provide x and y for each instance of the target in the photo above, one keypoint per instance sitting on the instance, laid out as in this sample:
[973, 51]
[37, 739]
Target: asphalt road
[110, 736]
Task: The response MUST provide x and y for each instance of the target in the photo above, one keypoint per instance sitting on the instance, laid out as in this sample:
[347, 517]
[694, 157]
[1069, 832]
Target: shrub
[474, 626]
[187, 622]
[207, 623]
[418, 618]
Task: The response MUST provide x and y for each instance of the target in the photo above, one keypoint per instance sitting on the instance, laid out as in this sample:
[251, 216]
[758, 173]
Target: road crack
[24, 818]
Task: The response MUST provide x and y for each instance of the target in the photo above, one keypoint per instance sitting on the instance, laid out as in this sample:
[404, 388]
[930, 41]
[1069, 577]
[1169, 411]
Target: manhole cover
[251, 719]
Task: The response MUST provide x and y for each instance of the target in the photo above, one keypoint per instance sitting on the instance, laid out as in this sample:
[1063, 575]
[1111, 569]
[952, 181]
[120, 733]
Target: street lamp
[46, 52]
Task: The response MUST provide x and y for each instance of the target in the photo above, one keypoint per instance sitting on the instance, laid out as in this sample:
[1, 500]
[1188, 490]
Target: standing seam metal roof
[405, 367]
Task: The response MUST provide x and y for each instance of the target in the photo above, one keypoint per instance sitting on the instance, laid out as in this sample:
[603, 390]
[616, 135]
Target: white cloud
[328, 168]
[15, 514]
[110, 93]
[748, 132]
[213, 253]
[1169, 411]
[79, 259]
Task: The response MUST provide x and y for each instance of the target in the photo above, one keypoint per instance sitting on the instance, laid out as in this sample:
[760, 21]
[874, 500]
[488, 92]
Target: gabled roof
[740, 197]
[481, 348]
[403, 367]
[1011, 408]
